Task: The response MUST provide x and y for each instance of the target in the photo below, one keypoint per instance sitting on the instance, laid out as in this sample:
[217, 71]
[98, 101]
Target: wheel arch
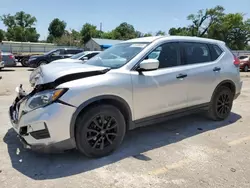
[42, 60]
[118, 102]
[228, 83]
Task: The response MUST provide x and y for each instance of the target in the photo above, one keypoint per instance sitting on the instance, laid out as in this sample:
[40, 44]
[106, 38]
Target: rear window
[243, 57]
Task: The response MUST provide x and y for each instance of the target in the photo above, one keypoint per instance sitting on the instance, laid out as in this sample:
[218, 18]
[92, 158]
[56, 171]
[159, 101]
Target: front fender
[93, 100]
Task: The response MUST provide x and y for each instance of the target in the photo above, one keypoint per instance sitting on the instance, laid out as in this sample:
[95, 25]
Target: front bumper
[33, 63]
[45, 129]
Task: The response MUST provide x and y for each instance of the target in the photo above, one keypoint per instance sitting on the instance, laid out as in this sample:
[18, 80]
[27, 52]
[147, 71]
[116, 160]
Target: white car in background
[81, 57]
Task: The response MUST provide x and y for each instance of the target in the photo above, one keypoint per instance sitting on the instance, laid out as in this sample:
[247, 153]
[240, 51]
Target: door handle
[179, 76]
[216, 69]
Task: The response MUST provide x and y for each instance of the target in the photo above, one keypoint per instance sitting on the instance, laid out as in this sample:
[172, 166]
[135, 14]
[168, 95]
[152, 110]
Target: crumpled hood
[64, 72]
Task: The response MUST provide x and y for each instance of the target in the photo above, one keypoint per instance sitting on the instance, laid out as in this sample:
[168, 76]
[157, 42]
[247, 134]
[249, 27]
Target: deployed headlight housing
[43, 98]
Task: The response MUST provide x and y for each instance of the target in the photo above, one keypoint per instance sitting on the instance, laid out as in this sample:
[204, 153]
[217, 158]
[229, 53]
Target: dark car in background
[62, 53]
[244, 62]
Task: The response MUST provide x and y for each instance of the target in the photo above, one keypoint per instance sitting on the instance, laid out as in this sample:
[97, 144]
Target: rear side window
[215, 51]
[195, 53]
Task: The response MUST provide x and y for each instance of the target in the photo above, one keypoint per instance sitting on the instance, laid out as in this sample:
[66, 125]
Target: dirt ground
[187, 152]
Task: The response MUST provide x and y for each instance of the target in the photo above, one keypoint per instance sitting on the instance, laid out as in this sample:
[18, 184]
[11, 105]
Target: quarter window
[167, 54]
[215, 51]
[195, 53]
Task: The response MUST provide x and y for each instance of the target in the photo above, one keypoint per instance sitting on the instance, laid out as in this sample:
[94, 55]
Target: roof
[144, 39]
[104, 42]
[151, 39]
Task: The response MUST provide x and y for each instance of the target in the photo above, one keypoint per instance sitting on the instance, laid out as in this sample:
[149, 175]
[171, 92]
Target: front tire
[221, 104]
[246, 68]
[43, 63]
[100, 131]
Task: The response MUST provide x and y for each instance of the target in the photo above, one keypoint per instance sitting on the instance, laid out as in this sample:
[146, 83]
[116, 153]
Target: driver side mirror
[148, 65]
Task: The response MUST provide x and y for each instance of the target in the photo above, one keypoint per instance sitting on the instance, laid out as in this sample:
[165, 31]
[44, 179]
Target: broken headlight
[43, 98]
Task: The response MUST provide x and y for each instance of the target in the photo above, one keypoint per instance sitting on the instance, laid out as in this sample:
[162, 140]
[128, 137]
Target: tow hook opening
[23, 131]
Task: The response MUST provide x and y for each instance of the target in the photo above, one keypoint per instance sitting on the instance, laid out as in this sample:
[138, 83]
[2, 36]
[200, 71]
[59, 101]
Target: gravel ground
[187, 152]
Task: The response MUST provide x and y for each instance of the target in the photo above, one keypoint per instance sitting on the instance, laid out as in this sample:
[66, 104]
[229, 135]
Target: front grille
[41, 134]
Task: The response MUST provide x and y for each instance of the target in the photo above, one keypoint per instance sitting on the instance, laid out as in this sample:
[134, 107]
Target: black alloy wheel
[221, 104]
[100, 130]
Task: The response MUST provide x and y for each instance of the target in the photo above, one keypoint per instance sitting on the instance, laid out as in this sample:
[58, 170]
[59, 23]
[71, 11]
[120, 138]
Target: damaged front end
[45, 89]
[33, 114]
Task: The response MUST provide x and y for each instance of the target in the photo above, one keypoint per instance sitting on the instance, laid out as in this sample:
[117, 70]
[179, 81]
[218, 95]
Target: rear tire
[24, 62]
[221, 104]
[100, 131]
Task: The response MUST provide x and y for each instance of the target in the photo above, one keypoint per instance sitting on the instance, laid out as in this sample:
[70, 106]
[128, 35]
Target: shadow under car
[52, 166]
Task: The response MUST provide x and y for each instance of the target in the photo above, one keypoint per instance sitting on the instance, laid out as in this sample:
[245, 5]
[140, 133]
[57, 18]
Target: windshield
[118, 55]
[79, 55]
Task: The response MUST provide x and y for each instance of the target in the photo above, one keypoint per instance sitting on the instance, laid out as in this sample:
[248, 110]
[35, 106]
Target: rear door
[203, 69]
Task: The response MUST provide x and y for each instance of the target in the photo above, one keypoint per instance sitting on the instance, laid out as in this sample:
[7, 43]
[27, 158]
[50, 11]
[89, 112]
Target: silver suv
[134, 83]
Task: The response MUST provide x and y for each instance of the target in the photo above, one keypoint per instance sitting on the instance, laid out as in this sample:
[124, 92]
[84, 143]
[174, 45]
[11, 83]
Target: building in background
[95, 44]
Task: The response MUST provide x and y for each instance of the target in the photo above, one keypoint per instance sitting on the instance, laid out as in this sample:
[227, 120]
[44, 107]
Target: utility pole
[101, 26]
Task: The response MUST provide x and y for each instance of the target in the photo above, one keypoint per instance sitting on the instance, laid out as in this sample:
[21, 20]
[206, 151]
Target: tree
[2, 35]
[89, 31]
[203, 20]
[124, 31]
[56, 29]
[75, 35]
[181, 31]
[147, 35]
[160, 33]
[20, 27]
[108, 35]
[232, 29]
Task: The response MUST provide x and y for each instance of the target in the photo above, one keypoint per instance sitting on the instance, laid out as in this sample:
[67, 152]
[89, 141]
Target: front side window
[89, 56]
[195, 53]
[166, 54]
[56, 53]
[118, 55]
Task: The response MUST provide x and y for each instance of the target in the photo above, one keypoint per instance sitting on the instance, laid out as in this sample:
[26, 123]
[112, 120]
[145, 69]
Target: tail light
[236, 61]
[11, 56]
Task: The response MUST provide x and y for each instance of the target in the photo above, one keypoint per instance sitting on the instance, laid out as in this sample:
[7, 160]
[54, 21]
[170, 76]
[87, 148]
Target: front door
[58, 54]
[162, 90]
